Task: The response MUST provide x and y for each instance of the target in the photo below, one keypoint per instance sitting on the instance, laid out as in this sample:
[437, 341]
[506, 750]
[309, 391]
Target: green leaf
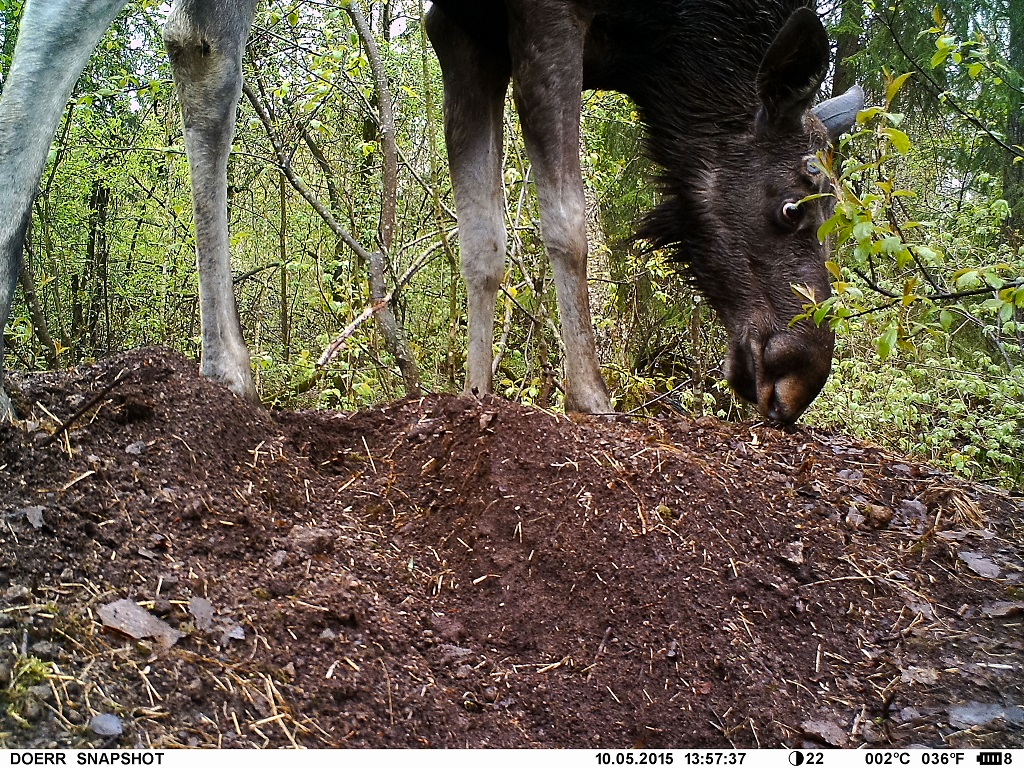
[940, 56]
[887, 341]
[899, 139]
[895, 85]
[866, 115]
[892, 245]
[863, 230]
[826, 229]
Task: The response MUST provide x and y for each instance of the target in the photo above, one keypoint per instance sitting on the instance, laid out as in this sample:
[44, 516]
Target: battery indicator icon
[990, 758]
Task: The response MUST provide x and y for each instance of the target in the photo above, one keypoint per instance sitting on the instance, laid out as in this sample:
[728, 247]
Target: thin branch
[284, 163]
[338, 344]
[89, 404]
[938, 296]
[943, 95]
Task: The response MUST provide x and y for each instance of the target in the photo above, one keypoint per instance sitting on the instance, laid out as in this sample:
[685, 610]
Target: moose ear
[792, 71]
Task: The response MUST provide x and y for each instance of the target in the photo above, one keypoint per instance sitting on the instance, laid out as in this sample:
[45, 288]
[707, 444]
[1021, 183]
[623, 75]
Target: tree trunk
[283, 244]
[848, 44]
[27, 280]
[1013, 173]
[394, 333]
[387, 323]
[98, 249]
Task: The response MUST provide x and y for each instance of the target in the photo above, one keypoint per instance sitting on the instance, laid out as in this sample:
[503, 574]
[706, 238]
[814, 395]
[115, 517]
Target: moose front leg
[476, 75]
[205, 40]
[547, 77]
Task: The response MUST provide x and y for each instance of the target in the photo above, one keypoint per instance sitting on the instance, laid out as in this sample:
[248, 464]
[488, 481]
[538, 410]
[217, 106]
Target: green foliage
[964, 413]
[937, 289]
[26, 673]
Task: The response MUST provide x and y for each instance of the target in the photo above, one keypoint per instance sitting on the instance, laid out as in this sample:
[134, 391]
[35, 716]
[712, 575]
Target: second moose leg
[547, 79]
[205, 40]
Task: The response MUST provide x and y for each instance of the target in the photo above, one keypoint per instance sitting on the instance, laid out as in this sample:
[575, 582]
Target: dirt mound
[454, 573]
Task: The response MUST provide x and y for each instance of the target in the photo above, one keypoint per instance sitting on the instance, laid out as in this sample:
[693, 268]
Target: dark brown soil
[449, 572]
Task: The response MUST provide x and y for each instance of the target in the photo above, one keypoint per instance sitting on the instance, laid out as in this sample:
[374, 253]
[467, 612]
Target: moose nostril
[779, 412]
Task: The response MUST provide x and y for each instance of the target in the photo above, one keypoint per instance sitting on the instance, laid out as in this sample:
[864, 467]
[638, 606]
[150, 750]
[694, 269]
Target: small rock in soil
[106, 725]
[793, 553]
[17, 593]
[311, 541]
[46, 651]
[877, 516]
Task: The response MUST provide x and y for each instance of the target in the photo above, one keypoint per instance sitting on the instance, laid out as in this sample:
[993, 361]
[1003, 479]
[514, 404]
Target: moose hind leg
[205, 40]
[476, 78]
[547, 81]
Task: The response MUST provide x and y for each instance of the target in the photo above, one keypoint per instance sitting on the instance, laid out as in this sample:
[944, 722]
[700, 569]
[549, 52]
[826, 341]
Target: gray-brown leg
[476, 76]
[206, 40]
[547, 78]
[55, 40]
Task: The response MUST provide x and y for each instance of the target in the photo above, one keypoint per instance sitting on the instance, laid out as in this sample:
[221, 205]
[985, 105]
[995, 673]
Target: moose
[725, 89]
[205, 40]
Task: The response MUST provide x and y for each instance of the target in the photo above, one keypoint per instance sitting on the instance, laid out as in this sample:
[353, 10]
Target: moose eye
[812, 166]
[791, 213]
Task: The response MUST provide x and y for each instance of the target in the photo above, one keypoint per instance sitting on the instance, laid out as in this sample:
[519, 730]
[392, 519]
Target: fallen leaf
[825, 731]
[854, 518]
[917, 605]
[129, 619]
[231, 632]
[34, 515]
[1001, 608]
[202, 611]
[913, 507]
[980, 564]
[923, 675]
[975, 713]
